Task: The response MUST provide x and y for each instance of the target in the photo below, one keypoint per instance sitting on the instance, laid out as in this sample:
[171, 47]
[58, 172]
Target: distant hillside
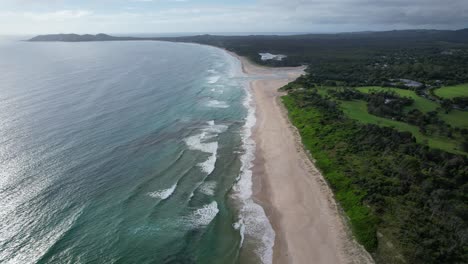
[397, 35]
[358, 58]
[316, 48]
[313, 48]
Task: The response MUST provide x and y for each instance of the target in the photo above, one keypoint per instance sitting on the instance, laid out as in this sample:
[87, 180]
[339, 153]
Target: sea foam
[253, 221]
[204, 215]
[208, 165]
[163, 194]
[208, 188]
[239, 225]
[200, 142]
[213, 79]
[217, 104]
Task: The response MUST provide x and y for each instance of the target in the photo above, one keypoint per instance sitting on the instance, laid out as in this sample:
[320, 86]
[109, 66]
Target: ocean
[126, 152]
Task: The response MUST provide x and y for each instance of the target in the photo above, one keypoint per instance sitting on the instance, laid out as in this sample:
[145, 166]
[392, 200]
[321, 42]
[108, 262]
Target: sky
[211, 16]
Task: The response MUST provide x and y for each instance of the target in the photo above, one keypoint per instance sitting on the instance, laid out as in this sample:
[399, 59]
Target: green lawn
[323, 90]
[358, 110]
[455, 118]
[450, 92]
[421, 103]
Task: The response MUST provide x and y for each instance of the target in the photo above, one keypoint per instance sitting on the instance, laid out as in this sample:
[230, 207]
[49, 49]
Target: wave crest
[253, 221]
[213, 79]
[163, 194]
[204, 215]
[199, 142]
[217, 104]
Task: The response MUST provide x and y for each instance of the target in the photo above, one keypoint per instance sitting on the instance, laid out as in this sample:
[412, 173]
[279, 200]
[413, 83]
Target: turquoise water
[124, 152]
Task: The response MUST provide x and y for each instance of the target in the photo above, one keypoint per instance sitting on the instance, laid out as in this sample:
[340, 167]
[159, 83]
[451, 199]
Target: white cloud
[148, 1]
[61, 15]
[262, 16]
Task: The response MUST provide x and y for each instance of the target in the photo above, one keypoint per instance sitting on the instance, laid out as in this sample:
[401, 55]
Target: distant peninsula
[306, 49]
[309, 49]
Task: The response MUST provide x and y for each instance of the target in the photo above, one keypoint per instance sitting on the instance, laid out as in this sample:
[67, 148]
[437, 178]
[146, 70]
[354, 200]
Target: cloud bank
[114, 16]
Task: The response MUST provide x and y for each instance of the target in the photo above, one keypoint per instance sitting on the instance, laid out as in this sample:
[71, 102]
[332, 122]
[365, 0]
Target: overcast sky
[163, 16]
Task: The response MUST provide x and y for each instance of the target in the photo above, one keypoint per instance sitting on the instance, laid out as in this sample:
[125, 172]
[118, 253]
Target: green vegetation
[450, 92]
[423, 118]
[362, 222]
[420, 103]
[456, 118]
[358, 110]
[405, 201]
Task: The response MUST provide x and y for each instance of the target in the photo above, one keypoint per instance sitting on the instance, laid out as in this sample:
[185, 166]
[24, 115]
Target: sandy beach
[297, 200]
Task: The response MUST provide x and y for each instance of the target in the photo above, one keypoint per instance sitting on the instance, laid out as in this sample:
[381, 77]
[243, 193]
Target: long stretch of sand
[299, 204]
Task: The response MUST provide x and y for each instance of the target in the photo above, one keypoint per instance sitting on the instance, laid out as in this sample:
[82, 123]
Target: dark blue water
[120, 152]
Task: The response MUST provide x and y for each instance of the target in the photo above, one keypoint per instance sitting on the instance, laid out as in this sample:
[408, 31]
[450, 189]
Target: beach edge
[347, 249]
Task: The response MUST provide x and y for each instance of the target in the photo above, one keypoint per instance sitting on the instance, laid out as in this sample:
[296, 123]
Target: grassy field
[423, 104]
[358, 110]
[323, 90]
[450, 92]
[455, 118]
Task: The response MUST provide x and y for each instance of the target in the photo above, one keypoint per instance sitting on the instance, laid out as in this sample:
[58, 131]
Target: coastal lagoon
[126, 152]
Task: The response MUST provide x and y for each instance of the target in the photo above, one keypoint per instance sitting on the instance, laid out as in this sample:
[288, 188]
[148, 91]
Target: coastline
[300, 207]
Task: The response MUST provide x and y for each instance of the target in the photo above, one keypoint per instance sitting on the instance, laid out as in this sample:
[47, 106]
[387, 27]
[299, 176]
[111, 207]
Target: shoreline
[308, 226]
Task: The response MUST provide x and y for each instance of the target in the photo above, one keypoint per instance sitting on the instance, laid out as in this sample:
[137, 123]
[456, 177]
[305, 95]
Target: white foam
[213, 79]
[199, 142]
[241, 227]
[213, 128]
[255, 224]
[163, 194]
[213, 71]
[208, 188]
[208, 165]
[203, 216]
[217, 104]
[219, 89]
